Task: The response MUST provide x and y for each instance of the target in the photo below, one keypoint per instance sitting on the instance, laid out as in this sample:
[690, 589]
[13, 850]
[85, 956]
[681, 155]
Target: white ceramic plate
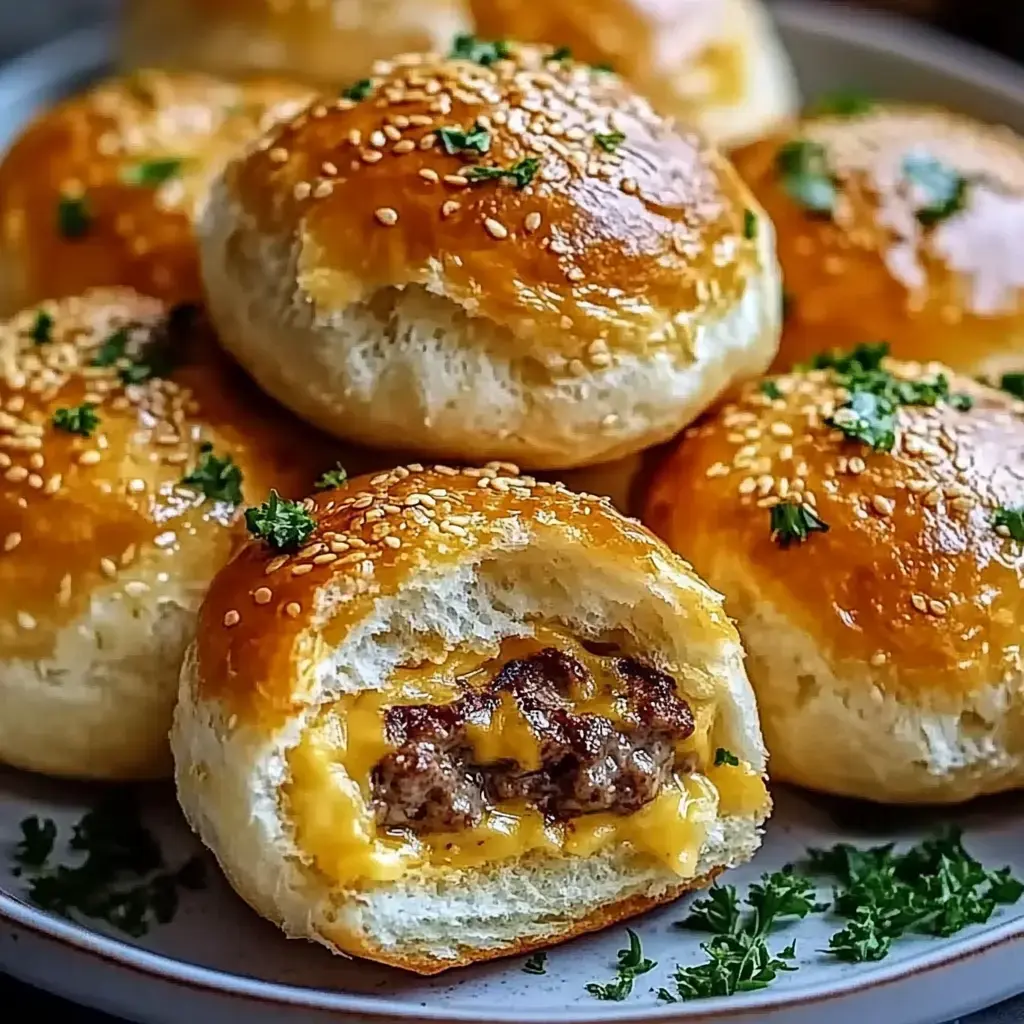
[218, 964]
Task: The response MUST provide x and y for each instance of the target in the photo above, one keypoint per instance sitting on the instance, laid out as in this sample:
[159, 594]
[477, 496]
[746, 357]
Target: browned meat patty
[588, 764]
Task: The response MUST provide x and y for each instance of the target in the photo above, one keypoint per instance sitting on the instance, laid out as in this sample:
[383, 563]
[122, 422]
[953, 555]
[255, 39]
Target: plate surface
[217, 963]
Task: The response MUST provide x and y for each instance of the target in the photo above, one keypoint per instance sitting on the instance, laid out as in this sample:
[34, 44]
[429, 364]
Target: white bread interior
[230, 772]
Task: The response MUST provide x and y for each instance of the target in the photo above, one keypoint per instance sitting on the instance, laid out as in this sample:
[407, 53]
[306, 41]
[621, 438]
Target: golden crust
[626, 234]
[79, 513]
[953, 291]
[371, 536]
[137, 234]
[913, 578]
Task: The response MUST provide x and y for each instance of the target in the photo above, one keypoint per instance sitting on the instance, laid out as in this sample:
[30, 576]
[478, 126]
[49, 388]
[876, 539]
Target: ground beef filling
[430, 783]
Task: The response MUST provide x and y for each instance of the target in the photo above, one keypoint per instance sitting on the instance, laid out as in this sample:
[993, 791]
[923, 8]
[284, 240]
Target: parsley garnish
[723, 756]
[609, 142]
[332, 478]
[121, 880]
[604, 68]
[152, 173]
[112, 349]
[41, 331]
[358, 90]
[632, 964]
[843, 103]
[806, 176]
[793, 524]
[1012, 519]
[218, 479]
[770, 388]
[468, 47]
[536, 963]
[942, 190]
[455, 140]
[561, 53]
[284, 525]
[73, 217]
[749, 225]
[1013, 383]
[78, 419]
[521, 173]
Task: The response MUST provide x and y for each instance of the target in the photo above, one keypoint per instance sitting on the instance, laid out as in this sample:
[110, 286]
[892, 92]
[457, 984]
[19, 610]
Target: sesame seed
[429, 174]
[532, 221]
[232, 618]
[293, 609]
[108, 567]
[26, 621]
[392, 541]
[89, 458]
[458, 180]
[302, 569]
[11, 541]
[882, 505]
[450, 208]
[136, 588]
[918, 601]
[275, 563]
[262, 595]
[495, 229]
[387, 216]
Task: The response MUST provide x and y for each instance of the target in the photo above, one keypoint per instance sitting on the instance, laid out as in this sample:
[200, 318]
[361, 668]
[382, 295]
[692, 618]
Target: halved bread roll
[441, 716]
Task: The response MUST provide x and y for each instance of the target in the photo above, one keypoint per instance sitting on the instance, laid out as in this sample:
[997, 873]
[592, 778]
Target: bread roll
[919, 239]
[102, 189]
[114, 515]
[463, 714]
[885, 652]
[334, 42]
[373, 269]
[717, 64]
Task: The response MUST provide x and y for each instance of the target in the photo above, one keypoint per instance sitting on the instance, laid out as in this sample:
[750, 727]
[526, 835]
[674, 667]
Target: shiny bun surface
[102, 190]
[505, 255]
[897, 223]
[876, 583]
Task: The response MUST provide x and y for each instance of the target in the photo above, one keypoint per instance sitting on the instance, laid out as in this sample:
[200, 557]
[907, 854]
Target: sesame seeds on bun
[898, 223]
[101, 190]
[128, 445]
[864, 523]
[501, 255]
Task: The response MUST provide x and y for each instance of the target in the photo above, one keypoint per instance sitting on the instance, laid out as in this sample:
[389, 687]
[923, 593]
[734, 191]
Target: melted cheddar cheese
[329, 792]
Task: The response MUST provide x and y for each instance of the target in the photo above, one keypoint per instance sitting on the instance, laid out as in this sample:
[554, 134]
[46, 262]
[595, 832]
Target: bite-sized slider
[505, 255]
[717, 64]
[334, 42]
[102, 189]
[899, 223]
[128, 445]
[440, 716]
[865, 522]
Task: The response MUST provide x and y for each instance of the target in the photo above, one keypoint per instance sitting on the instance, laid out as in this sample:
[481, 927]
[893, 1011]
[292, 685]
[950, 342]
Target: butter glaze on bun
[893, 261]
[334, 42]
[885, 653]
[586, 307]
[104, 552]
[438, 588]
[716, 64]
[102, 189]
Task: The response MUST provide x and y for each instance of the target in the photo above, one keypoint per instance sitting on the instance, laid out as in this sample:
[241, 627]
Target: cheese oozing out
[328, 797]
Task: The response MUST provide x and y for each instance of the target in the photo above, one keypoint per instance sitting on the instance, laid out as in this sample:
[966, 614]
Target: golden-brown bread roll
[334, 42]
[717, 64]
[101, 190]
[897, 223]
[439, 716]
[375, 269]
[885, 652]
[127, 446]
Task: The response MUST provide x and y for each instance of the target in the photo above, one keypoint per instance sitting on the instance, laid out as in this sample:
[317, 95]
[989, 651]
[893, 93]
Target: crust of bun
[408, 586]
[895, 633]
[130, 159]
[333, 42]
[716, 64]
[104, 554]
[582, 312]
[952, 290]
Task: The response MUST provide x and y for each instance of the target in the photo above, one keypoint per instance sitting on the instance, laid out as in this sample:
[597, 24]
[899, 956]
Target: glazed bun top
[909, 559]
[901, 223]
[102, 189]
[540, 194]
[128, 444]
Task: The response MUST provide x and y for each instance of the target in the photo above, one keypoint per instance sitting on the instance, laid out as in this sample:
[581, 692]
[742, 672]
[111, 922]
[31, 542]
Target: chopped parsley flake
[455, 140]
[561, 53]
[332, 478]
[604, 68]
[78, 419]
[468, 47]
[152, 173]
[723, 756]
[521, 173]
[806, 176]
[112, 349]
[941, 190]
[632, 964]
[36, 845]
[284, 525]
[1013, 383]
[1012, 519]
[793, 524]
[749, 225]
[843, 103]
[770, 389]
[358, 90]
[609, 142]
[536, 964]
[219, 479]
[73, 217]
[41, 331]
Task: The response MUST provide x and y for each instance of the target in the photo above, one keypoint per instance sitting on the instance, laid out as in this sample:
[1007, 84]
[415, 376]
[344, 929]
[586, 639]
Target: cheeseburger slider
[865, 521]
[500, 255]
[439, 716]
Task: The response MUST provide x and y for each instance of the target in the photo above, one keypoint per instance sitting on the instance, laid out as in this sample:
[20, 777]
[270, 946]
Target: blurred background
[998, 24]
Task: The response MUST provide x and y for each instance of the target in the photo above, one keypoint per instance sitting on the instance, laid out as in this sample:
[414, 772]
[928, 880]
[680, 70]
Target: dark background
[998, 24]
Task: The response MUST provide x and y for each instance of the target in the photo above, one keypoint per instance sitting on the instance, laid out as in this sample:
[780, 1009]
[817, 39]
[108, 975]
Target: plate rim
[918, 45]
